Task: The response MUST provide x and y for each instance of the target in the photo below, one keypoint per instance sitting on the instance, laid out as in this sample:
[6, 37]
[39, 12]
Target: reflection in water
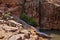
[54, 33]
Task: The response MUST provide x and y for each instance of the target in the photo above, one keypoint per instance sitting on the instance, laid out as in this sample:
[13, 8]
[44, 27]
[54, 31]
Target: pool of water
[54, 33]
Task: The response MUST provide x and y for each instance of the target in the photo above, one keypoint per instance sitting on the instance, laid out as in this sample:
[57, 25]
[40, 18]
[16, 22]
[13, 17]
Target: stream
[54, 33]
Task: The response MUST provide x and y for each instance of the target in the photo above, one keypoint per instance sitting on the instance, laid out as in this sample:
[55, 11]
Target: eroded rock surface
[9, 32]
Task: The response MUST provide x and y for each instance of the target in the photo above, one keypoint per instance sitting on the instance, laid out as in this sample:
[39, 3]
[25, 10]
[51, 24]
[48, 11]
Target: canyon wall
[31, 9]
[50, 14]
[45, 12]
[16, 7]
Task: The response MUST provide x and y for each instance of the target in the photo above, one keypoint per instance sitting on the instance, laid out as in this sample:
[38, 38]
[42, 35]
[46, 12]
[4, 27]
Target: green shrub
[6, 15]
[28, 20]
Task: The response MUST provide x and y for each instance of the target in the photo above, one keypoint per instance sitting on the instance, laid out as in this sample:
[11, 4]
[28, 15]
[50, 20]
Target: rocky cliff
[50, 14]
[16, 7]
[46, 13]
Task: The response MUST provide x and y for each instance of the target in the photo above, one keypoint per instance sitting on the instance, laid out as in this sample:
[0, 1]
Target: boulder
[12, 22]
[8, 28]
[15, 37]
[1, 36]
[25, 31]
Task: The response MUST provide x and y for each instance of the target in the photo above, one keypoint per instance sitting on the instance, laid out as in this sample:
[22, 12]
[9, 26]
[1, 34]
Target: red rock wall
[31, 9]
[50, 15]
[50, 11]
[13, 6]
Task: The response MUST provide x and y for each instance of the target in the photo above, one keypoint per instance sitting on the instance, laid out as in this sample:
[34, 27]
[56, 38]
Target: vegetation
[28, 20]
[6, 15]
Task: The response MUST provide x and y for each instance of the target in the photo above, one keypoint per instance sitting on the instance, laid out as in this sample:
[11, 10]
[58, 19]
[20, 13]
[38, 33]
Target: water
[54, 33]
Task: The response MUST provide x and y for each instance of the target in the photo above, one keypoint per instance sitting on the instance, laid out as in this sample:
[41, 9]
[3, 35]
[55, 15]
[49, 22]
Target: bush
[6, 15]
[28, 20]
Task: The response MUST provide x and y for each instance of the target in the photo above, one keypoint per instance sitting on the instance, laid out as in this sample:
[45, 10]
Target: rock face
[46, 13]
[32, 9]
[12, 5]
[50, 14]
[8, 32]
[16, 7]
